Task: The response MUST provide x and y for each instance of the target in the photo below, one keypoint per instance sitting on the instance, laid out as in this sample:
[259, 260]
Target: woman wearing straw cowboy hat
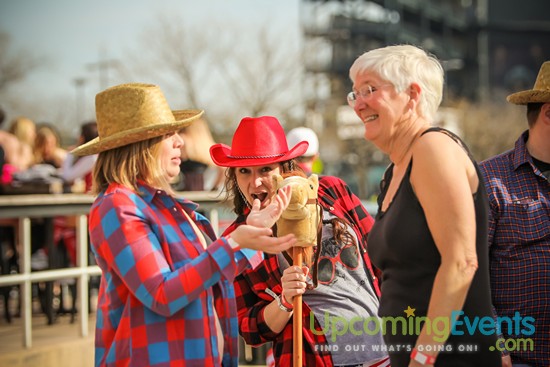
[163, 269]
[347, 288]
[518, 184]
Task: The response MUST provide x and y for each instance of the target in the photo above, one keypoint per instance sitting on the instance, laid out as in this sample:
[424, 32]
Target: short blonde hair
[25, 130]
[127, 164]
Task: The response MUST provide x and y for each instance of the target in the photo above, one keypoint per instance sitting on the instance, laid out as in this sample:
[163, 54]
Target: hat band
[255, 156]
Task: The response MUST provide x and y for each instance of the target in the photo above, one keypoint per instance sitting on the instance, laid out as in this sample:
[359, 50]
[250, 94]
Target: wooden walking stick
[301, 218]
[297, 259]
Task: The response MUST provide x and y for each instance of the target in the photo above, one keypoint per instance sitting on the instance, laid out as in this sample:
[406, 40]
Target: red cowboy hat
[257, 141]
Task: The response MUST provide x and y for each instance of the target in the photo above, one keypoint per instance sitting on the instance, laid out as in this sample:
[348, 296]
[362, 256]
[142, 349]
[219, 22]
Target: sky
[70, 35]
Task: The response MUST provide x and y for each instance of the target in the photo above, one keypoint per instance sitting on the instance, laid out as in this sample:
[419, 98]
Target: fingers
[282, 199]
[279, 202]
[293, 282]
[288, 190]
[260, 232]
[260, 239]
[256, 205]
[247, 235]
[295, 273]
[284, 196]
[288, 237]
[291, 270]
[275, 245]
[294, 278]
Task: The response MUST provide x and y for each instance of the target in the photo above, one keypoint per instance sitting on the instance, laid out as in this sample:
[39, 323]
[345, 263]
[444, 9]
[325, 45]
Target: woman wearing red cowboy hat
[347, 289]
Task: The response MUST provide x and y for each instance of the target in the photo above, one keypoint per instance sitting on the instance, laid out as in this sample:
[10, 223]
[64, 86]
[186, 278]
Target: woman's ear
[546, 109]
[414, 95]
[414, 91]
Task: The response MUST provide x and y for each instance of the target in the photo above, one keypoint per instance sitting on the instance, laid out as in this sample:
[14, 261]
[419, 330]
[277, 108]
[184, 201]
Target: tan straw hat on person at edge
[129, 113]
[540, 92]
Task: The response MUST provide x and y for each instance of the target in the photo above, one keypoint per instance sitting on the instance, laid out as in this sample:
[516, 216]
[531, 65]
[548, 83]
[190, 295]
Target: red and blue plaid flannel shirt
[519, 240]
[159, 285]
[336, 197]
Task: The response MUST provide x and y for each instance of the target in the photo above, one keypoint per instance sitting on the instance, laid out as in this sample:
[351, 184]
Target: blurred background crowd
[289, 59]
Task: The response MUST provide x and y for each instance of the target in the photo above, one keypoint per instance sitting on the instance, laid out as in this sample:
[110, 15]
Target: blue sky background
[68, 35]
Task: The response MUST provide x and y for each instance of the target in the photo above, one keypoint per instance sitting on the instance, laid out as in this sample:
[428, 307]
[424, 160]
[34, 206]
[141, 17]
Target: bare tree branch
[14, 65]
[264, 73]
[229, 72]
[175, 54]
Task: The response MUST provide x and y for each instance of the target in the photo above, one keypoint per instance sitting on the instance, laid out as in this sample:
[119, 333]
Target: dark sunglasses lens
[324, 271]
[350, 257]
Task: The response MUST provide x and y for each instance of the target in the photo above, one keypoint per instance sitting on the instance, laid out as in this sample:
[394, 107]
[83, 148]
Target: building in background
[489, 48]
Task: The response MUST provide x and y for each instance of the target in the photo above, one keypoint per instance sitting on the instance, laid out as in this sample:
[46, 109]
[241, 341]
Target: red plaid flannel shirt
[335, 197]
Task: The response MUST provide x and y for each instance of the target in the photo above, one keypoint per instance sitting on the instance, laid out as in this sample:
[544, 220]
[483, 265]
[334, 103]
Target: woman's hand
[294, 282]
[269, 215]
[506, 361]
[260, 239]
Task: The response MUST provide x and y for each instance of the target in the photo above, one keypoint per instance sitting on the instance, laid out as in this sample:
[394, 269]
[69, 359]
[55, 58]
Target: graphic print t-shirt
[344, 302]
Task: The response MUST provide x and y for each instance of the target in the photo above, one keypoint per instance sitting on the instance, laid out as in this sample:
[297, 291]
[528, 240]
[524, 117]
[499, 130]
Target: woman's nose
[359, 104]
[258, 181]
[178, 140]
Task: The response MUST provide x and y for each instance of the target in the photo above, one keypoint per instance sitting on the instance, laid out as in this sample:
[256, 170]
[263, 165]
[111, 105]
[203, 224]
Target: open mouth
[260, 196]
[370, 118]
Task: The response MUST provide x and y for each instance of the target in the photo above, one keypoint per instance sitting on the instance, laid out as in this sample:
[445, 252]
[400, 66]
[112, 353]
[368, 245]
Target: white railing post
[26, 286]
[82, 264]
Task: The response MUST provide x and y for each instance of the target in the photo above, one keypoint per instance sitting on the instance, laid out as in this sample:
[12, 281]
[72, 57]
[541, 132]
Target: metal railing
[22, 208]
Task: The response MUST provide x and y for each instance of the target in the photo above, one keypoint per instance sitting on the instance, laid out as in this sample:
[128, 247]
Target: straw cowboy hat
[129, 113]
[540, 92]
[257, 141]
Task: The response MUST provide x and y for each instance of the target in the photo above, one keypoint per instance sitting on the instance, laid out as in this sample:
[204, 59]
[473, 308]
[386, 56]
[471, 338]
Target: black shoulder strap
[386, 177]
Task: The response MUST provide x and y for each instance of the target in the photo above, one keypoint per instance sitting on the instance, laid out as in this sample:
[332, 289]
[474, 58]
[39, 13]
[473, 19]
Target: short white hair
[402, 65]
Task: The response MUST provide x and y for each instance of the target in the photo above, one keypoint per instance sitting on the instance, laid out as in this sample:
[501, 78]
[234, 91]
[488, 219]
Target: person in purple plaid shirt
[340, 293]
[166, 296]
[518, 186]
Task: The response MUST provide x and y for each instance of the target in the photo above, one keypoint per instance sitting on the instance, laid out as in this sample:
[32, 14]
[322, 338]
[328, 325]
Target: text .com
[514, 345]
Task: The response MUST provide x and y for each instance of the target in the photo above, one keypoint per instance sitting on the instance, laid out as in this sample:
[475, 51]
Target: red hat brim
[221, 155]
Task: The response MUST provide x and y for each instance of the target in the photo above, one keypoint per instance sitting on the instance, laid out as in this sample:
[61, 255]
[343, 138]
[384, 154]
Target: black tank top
[401, 245]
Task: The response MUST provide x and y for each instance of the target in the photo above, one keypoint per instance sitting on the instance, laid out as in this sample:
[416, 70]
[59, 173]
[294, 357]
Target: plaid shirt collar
[521, 155]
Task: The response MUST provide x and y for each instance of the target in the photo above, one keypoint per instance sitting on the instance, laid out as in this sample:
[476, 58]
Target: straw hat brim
[182, 118]
[221, 155]
[529, 96]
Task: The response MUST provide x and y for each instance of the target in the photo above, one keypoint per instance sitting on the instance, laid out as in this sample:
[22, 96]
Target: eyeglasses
[365, 91]
[348, 256]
